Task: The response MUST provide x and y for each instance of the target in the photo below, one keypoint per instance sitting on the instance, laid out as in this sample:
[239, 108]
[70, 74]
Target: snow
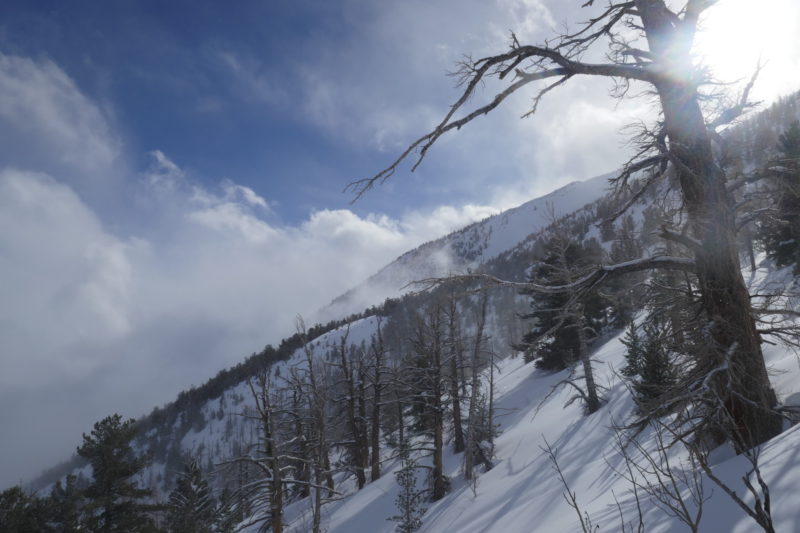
[522, 492]
[471, 246]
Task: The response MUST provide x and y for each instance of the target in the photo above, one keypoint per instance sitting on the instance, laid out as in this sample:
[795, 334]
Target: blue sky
[171, 176]
[248, 91]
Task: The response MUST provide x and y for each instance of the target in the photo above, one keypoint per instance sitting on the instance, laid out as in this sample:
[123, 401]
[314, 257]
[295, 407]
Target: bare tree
[676, 489]
[760, 511]
[570, 496]
[455, 357]
[350, 363]
[475, 425]
[650, 42]
[318, 401]
[430, 384]
[266, 491]
[379, 371]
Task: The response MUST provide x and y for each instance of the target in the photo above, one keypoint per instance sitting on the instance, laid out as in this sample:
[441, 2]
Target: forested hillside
[448, 396]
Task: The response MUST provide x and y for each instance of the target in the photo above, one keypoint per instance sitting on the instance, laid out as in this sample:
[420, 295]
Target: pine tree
[648, 364]
[228, 515]
[191, 507]
[66, 505]
[114, 498]
[21, 512]
[781, 232]
[633, 356]
[555, 343]
[656, 371]
[409, 499]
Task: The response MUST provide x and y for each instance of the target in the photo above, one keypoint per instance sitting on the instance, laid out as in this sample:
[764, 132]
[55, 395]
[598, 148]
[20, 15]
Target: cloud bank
[96, 319]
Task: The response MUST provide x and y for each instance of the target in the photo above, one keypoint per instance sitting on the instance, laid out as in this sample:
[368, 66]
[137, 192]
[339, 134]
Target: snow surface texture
[522, 493]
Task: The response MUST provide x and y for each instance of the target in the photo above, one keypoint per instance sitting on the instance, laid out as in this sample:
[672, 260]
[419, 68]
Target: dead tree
[475, 424]
[378, 370]
[648, 43]
[317, 396]
[455, 357]
[267, 490]
[350, 364]
[429, 390]
[675, 487]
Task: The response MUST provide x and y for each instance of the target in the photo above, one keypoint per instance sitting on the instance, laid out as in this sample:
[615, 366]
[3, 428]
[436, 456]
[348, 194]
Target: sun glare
[735, 34]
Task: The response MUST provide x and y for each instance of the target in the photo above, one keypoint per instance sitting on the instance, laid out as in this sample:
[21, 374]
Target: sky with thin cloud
[171, 177]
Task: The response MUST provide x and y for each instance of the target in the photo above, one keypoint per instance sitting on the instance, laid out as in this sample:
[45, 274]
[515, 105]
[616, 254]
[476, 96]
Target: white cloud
[134, 320]
[233, 217]
[51, 126]
[66, 281]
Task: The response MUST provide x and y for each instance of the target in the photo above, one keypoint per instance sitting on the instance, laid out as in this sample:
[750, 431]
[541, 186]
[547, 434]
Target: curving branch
[580, 286]
[546, 63]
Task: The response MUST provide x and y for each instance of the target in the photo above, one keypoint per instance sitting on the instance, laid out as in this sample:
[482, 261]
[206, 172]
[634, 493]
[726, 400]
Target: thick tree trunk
[744, 389]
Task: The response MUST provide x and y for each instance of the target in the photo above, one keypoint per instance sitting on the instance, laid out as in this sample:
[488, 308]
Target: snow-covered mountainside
[470, 247]
[521, 492]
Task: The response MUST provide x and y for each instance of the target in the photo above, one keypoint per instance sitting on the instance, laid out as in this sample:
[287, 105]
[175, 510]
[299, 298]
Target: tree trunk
[745, 390]
[363, 437]
[354, 446]
[490, 415]
[377, 390]
[472, 445]
[439, 487]
[317, 509]
[455, 347]
[592, 400]
[400, 422]
[276, 489]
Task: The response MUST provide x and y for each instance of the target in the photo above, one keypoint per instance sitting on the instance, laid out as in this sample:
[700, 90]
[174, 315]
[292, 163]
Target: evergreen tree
[66, 504]
[228, 515]
[114, 498]
[656, 371]
[191, 507]
[633, 356]
[554, 343]
[781, 232]
[22, 513]
[409, 499]
[648, 364]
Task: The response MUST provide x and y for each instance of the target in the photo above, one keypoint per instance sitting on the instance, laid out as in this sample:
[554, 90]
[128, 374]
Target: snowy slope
[469, 247]
[522, 494]
[224, 429]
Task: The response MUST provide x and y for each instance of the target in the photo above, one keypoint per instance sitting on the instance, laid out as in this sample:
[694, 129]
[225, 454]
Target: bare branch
[587, 282]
